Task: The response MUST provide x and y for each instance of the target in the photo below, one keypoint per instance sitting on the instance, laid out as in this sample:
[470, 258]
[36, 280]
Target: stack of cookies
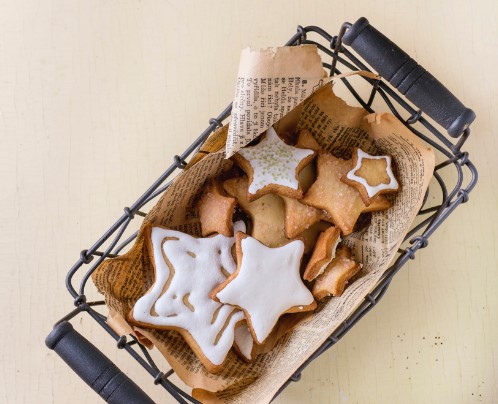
[270, 246]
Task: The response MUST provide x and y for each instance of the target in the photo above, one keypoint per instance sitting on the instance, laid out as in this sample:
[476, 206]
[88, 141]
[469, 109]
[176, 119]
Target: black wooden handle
[103, 376]
[411, 79]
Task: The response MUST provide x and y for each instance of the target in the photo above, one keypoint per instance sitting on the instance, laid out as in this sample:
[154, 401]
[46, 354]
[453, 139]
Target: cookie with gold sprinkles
[273, 166]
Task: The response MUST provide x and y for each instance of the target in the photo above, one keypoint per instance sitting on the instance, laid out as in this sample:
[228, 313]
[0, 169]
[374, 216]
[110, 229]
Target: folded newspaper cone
[338, 128]
[270, 83]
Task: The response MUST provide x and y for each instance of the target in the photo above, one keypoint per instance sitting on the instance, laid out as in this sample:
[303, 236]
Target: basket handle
[89, 363]
[411, 79]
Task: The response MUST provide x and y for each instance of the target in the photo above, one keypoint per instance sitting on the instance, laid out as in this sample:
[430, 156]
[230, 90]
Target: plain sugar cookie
[216, 210]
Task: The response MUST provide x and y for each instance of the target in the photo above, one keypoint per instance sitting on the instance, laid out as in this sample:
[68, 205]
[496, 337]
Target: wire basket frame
[110, 244]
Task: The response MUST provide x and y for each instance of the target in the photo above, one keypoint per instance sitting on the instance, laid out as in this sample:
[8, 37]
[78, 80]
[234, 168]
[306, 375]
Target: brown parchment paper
[338, 128]
[270, 83]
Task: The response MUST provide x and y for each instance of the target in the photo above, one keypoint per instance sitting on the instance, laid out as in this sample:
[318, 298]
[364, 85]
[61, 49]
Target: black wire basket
[414, 96]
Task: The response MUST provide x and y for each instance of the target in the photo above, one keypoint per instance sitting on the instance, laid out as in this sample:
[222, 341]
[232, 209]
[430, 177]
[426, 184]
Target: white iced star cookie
[371, 175]
[186, 271]
[273, 166]
[266, 284]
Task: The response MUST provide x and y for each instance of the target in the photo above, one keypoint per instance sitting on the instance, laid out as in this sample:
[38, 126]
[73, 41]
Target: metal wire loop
[129, 213]
[85, 259]
[333, 43]
[302, 33]
[296, 377]
[370, 299]
[80, 300]
[217, 122]
[159, 378]
[121, 342]
[336, 43]
[179, 163]
[421, 240]
[410, 252]
[465, 195]
[464, 158]
[414, 118]
[333, 339]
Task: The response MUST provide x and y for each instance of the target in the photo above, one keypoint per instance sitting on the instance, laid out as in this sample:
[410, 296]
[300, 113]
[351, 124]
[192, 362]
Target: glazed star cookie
[266, 213]
[266, 284]
[273, 166]
[186, 270]
[371, 175]
[216, 210]
[342, 202]
[334, 279]
[323, 253]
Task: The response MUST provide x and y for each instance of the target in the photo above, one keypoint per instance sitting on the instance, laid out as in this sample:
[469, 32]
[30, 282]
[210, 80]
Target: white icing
[197, 264]
[372, 190]
[268, 284]
[244, 341]
[273, 162]
[324, 266]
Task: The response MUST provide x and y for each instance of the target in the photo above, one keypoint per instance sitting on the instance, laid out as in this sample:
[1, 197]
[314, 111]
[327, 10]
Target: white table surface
[97, 96]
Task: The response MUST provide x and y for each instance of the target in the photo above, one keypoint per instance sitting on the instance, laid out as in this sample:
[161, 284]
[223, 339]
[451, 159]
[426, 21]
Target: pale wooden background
[96, 97]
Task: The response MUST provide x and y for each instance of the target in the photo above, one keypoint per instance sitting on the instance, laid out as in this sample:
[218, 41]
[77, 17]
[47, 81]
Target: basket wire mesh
[341, 60]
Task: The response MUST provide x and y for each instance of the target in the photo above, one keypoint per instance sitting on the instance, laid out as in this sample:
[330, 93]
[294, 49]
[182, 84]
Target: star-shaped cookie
[323, 253]
[299, 217]
[371, 175]
[186, 270]
[341, 201]
[336, 276]
[266, 213]
[216, 210]
[273, 166]
[266, 284]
